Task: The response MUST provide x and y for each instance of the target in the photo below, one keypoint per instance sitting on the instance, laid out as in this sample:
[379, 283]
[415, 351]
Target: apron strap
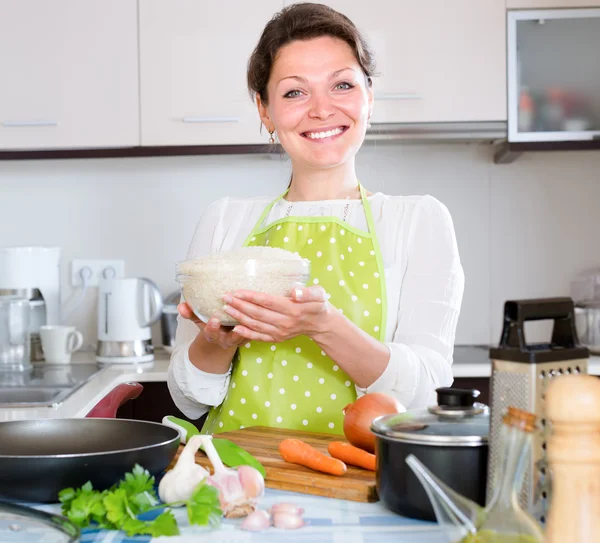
[379, 258]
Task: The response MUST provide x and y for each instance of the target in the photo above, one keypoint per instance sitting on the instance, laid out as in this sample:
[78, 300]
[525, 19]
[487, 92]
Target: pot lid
[457, 420]
[22, 523]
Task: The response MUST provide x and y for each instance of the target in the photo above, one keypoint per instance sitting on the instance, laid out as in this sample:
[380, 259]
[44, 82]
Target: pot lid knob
[456, 397]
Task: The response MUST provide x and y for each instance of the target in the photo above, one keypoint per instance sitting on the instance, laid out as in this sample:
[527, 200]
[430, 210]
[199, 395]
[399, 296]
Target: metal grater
[520, 376]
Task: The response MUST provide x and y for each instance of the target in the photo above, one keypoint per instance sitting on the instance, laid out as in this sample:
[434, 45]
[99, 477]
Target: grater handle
[560, 310]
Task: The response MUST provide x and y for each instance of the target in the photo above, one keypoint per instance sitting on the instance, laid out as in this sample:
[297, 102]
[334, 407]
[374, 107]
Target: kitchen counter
[469, 361]
[327, 521]
[473, 361]
[86, 397]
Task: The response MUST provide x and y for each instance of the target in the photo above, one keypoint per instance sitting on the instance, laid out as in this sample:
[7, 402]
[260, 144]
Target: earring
[368, 125]
[271, 139]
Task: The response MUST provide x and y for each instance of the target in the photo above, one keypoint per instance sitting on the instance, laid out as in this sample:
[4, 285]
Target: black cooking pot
[451, 439]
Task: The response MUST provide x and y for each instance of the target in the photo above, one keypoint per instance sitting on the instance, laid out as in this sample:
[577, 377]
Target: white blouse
[424, 280]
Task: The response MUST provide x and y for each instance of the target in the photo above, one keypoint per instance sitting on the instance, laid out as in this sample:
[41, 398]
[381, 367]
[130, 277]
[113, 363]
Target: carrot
[352, 455]
[296, 451]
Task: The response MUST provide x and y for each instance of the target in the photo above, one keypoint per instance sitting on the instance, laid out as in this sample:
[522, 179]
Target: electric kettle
[127, 308]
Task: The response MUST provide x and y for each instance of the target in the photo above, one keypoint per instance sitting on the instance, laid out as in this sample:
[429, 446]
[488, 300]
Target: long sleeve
[194, 391]
[430, 298]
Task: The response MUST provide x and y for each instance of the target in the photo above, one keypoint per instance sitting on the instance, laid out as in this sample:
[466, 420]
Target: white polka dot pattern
[294, 384]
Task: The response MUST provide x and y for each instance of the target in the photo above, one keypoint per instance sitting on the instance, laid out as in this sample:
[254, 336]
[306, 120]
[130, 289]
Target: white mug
[59, 342]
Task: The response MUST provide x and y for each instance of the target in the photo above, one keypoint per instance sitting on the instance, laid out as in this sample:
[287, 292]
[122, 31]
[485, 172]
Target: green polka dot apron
[294, 384]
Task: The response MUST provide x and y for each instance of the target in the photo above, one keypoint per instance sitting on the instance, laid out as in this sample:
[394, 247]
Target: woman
[386, 279]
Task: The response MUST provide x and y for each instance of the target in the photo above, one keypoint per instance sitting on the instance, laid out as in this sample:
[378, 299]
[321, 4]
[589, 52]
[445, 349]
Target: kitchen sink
[19, 396]
[45, 385]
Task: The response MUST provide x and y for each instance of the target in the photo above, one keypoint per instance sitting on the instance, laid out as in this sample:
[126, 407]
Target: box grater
[520, 374]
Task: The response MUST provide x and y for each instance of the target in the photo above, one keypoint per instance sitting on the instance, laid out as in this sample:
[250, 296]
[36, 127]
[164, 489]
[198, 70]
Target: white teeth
[328, 134]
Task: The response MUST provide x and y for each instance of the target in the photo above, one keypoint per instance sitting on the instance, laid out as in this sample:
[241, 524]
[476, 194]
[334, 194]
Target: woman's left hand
[264, 317]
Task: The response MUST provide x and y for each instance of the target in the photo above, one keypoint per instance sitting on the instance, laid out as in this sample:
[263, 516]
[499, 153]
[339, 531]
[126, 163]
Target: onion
[359, 415]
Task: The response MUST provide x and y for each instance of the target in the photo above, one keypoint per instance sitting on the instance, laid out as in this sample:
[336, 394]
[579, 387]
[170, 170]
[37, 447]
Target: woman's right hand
[212, 331]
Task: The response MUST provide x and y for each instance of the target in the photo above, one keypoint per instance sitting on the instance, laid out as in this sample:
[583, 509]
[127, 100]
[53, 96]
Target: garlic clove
[290, 508]
[257, 521]
[287, 521]
[252, 481]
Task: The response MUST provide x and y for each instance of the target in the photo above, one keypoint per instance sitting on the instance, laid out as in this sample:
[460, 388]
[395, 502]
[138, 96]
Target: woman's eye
[292, 94]
[344, 86]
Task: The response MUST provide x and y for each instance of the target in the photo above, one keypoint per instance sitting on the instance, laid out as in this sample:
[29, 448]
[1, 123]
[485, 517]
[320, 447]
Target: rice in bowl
[205, 280]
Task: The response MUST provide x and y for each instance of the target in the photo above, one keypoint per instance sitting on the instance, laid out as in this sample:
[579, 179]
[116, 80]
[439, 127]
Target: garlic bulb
[179, 483]
[238, 489]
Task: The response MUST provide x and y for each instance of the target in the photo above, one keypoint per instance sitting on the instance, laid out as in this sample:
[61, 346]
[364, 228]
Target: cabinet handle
[398, 96]
[17, 124]
[211, 120]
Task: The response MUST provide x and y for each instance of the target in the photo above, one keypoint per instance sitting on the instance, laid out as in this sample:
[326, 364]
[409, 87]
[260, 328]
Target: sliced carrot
[296, 451]
[352, 455]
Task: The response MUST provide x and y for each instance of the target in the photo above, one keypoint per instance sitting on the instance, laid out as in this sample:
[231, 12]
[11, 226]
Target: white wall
[524, 229]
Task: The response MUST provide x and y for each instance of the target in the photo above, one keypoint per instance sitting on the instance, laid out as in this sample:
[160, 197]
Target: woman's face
[318, 102]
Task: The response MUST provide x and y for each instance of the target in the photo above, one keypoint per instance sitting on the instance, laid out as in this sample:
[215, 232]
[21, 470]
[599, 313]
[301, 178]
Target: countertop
[469, 361]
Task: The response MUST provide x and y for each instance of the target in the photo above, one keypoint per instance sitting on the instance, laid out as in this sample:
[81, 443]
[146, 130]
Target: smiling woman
[386, 279]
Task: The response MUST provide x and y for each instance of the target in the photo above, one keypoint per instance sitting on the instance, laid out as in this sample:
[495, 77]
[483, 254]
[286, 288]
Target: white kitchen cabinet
[68, 74]
[193, 58]
[438, 60]
[551, 4]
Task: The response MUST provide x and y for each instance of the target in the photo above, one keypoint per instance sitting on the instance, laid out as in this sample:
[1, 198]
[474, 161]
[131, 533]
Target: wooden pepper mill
[573, 408]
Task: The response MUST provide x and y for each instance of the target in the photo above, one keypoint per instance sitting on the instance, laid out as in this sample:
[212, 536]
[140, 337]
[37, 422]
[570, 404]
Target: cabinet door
[437, 60]
[533, 4]
[193, 58]
[69, 74]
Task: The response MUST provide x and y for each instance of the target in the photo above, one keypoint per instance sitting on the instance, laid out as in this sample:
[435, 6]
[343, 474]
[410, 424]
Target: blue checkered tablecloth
[327, 521]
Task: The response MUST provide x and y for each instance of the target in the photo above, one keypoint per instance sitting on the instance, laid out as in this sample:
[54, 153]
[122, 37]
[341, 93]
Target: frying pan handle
[107, 407]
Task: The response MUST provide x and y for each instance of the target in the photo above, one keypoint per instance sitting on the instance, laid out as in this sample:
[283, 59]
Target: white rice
[205, 280]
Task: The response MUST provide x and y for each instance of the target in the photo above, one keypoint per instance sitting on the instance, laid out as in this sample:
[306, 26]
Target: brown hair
[303, 21]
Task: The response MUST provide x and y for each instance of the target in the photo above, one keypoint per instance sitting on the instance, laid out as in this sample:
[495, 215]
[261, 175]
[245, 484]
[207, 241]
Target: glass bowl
[204, 281]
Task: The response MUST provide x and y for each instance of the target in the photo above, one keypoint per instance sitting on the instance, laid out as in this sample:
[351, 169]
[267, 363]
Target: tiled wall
[524, 229]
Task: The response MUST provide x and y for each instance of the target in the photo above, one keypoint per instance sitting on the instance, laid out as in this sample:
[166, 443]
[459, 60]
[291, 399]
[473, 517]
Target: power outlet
[94, 270]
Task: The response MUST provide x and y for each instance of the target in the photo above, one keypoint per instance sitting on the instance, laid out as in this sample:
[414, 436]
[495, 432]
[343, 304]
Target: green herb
[119, 507]
[233, 455]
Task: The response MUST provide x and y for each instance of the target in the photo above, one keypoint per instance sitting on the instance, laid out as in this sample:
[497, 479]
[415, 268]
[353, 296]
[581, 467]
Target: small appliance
[585, 291]
[168, 320]
[33, 273]
[127, 308]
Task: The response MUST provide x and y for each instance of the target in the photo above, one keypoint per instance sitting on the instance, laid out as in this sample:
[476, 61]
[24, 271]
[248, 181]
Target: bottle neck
[516, 445]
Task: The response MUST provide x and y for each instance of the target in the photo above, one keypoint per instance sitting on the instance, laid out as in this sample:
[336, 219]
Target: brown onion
[359, 415]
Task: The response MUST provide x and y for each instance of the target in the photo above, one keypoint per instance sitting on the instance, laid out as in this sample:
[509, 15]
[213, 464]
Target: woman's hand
[212, 330]
[273, 319]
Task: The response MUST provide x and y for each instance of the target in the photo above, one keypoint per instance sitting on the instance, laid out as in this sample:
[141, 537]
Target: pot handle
[107, 407]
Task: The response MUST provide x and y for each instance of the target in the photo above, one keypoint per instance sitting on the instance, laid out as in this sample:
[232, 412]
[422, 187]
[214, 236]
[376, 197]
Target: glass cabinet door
[554, 75]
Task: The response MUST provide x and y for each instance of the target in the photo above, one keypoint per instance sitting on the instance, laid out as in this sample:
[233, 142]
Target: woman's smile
[324, 135]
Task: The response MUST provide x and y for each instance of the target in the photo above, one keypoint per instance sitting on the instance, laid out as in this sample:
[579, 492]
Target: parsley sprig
[119, 507]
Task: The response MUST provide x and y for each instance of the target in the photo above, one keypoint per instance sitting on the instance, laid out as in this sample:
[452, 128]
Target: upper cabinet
[553, 75]
[69, 74]
[438, 61]
[536, 4]
[193, 58]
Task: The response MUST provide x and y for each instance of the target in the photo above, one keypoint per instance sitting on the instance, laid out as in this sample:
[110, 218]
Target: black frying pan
[38, 458]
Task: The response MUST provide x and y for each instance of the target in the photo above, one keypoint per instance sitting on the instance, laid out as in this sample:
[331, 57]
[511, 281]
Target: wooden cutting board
[356, 485]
